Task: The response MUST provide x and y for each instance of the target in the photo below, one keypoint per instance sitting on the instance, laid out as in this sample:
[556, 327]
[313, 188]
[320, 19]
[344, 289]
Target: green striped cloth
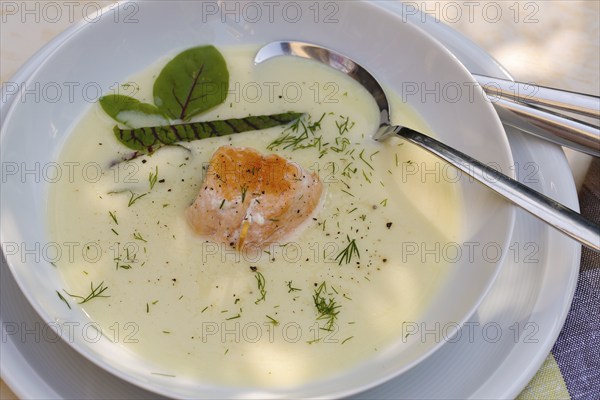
[572, 369]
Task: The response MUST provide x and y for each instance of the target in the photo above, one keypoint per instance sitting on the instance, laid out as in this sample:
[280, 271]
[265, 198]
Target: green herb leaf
[261, 283]
[94, 293]
[128, 110]
[153, 178]
[194, 81]
[345, 255]
[327, 308]
[291, 288]
[60, 296]
[134, 198]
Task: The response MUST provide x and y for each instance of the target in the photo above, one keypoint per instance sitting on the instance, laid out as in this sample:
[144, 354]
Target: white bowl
[116, 45]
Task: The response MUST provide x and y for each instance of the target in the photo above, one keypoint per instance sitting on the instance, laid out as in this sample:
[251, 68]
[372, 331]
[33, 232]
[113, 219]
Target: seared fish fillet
[250, 199]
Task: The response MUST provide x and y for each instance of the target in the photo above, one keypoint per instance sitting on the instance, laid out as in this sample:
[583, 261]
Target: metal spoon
[541, 206]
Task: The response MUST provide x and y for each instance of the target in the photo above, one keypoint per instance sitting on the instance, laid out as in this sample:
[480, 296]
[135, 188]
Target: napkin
[572, 370]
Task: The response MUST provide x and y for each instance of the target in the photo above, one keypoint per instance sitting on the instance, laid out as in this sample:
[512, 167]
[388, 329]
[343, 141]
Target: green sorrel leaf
[194, 81]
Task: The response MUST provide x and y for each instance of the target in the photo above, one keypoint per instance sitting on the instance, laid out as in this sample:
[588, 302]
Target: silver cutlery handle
[564, 100]
[541, 206]
[555, 128]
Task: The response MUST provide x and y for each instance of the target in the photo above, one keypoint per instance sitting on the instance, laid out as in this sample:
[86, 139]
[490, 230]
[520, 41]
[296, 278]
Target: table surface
[549, 43]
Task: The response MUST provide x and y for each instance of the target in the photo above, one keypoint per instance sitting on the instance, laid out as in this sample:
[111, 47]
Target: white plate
[494, 358]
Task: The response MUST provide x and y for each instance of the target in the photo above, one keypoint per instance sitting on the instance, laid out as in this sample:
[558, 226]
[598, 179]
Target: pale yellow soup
[193, 308]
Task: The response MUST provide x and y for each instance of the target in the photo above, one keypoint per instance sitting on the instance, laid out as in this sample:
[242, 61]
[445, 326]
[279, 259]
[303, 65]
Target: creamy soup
[334, 293]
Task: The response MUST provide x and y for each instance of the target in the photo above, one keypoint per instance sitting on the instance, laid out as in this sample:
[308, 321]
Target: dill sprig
[113, 215]
[261, 283]
[60, 296]
[96, 292]
[342, 143]
[134, 198]
[138, 236]
[348, 252]
[344, 126]
[363, 159]
[153, 178]
[326, 307]
[291, 288]
[244, 190]
[301, 134]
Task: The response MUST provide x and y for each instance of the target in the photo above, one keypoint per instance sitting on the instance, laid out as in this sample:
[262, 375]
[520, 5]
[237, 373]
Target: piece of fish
[248, 199]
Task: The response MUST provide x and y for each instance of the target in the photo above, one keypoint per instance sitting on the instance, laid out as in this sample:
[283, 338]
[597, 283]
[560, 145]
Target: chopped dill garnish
[138, 236]
[346, 254]
[348, 338]
[260, 281]
[291, 288]
[113, 216]
[300, 135]
[342, 143]
[363, 217]
[222, 204]
[115, 232]
[234, 317]
[153, 178]
[60, 296]
[95, 292]
[204, 309]
[272, 320]
[363, 160]
[348, 171]
[366, 177]
[347, 192]
[344, 126]
[327, 308]
[134, 198]
[147, 308]
[244, 190]
[167, 332]
[384, 202]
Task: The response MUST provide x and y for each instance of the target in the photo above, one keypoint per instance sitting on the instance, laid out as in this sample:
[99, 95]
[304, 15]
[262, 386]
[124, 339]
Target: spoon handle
[578, 103]
[541, 206]
[556, 128]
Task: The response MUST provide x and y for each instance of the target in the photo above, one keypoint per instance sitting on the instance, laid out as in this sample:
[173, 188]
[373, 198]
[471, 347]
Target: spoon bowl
[546, 209]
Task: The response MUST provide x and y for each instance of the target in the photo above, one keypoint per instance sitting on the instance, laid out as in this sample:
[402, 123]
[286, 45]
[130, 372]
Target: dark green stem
[149, 139]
